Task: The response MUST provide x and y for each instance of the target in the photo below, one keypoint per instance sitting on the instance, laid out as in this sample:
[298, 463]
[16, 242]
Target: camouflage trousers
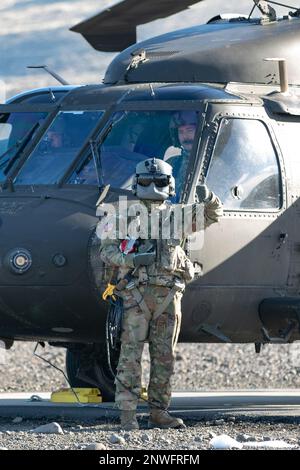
[162, 335]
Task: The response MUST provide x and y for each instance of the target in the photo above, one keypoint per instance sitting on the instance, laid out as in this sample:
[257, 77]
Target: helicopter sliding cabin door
[241, 163]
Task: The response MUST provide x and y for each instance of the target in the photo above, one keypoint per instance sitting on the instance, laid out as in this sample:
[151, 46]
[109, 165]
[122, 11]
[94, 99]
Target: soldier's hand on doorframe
[204, 194]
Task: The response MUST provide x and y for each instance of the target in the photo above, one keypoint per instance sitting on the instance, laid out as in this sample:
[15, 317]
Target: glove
[204, 194]
[143, 259]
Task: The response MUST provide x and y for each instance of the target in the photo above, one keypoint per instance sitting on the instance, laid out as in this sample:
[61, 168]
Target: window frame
[169, 106]
[207, 155]
[39, 140]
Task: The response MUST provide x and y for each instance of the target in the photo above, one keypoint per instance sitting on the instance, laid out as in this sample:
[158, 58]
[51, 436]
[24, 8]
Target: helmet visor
[159, 181]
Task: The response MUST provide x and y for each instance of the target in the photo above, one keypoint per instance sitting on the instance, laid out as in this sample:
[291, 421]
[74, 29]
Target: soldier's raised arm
[213, 208]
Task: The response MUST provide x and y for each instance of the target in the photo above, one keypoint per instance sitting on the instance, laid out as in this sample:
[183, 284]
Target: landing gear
[87, 366]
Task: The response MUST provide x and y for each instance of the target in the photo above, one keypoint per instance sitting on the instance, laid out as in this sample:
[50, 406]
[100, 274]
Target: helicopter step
[280, 318]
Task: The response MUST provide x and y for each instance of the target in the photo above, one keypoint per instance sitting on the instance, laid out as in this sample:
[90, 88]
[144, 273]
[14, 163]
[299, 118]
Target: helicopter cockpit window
[137, 135]
[244, 170]
[16, 130]
[58, 147]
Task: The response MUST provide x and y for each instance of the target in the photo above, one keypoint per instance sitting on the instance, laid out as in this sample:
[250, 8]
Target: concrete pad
[190, 404]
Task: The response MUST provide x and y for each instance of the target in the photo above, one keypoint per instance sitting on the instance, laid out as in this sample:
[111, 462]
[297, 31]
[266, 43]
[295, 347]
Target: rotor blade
[114, 29]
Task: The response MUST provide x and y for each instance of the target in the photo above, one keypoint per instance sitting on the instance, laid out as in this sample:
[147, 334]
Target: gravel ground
[196, 436]
[198, 367]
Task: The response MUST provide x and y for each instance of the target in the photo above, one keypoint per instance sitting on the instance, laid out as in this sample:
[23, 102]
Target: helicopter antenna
[281, 4]
[267, 11]
[51, 72]
[52, 95]
[283, 74]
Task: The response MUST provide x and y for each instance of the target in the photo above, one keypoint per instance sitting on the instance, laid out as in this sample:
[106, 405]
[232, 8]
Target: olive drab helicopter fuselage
[61, 146]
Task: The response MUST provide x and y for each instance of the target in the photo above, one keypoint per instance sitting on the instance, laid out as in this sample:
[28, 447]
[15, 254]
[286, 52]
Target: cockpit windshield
[16, 130]
[135, 136]
[58, 147]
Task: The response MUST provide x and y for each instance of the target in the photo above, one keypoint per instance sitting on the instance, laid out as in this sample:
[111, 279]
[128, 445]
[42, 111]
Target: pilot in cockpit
[183, 127]
[55, 138]
[53, 141]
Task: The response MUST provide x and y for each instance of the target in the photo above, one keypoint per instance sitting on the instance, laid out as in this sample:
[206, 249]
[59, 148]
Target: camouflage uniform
[141, 322]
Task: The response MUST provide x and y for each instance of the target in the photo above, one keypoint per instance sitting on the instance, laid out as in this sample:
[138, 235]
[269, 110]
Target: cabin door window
[244, 170]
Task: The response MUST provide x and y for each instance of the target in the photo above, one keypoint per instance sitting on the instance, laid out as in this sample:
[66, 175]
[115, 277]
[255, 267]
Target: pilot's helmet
[181, 118]
[153, 180]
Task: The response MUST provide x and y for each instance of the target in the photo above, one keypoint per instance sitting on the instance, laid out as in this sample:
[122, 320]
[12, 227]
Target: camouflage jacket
[160, 227]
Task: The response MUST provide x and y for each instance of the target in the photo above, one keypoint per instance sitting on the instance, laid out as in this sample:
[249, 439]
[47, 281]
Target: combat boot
[162, 419]
[128, 420]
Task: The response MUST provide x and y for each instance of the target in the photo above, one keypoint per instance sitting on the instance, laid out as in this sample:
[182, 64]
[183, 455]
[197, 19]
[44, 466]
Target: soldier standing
[156, 273]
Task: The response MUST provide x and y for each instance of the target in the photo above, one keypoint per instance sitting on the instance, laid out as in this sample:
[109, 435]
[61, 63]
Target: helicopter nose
[45, 263]
[42, 240]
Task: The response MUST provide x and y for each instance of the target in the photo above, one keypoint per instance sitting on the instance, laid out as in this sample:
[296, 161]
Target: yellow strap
[109, 291]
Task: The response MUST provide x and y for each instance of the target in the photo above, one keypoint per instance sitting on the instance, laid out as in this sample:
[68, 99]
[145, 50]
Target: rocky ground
[198, 367]
[105, 435]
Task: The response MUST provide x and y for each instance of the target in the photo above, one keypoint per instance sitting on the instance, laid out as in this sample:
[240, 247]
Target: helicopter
[64, 148]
